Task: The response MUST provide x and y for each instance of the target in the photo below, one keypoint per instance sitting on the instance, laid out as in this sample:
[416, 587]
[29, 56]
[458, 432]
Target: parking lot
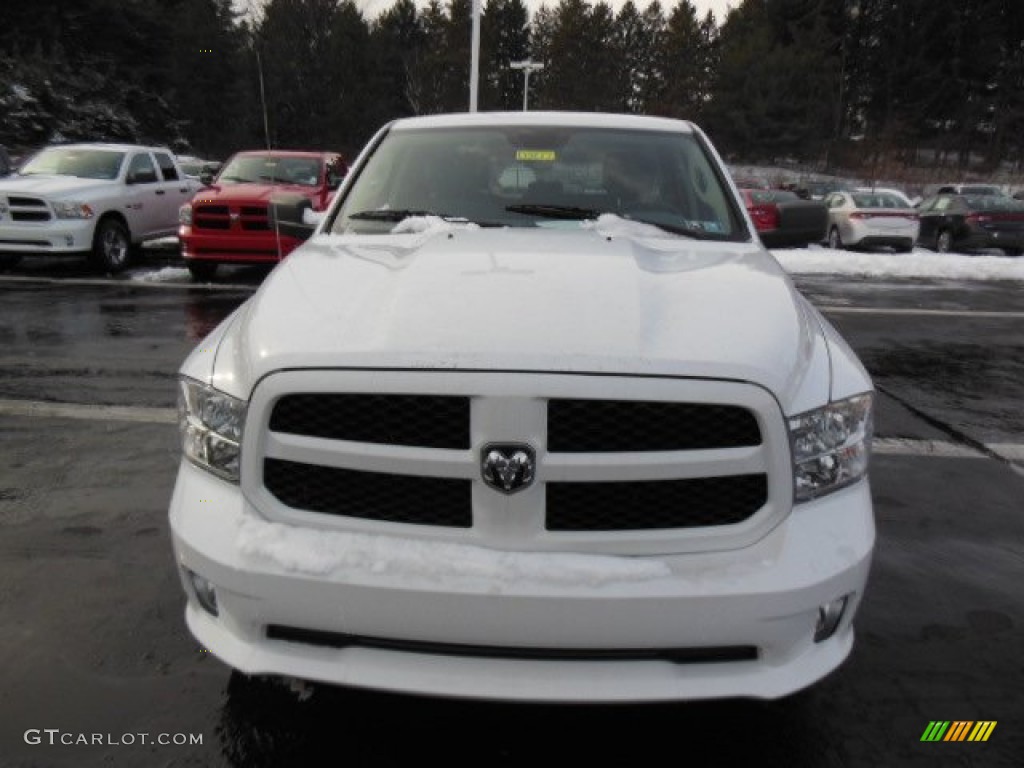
[91, 610]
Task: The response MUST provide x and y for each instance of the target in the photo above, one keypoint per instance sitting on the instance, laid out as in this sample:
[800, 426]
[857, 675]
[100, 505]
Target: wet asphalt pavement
[91, 624]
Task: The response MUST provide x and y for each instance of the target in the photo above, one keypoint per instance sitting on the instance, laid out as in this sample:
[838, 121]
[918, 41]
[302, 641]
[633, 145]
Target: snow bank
[919, 263]
[165, 275]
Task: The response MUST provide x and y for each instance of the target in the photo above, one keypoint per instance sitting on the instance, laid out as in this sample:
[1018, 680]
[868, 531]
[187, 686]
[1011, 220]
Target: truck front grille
[247, 218]
[370, 495]
[600, 426]
[211, 217]
[687, 465]
[690, 503]
[253, 218]
[429, 421]
[28, 208]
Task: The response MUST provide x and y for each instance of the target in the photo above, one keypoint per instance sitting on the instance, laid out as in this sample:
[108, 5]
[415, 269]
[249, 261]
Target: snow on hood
[563, 300]
[53, 186]
[427, 224]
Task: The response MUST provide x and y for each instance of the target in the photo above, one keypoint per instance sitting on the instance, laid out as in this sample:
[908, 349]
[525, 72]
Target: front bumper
[232, 247]
[57, 236]
[765, 596]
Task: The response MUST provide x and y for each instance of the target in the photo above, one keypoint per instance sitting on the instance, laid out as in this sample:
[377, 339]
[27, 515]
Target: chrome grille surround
[512, 407]
[23, 209]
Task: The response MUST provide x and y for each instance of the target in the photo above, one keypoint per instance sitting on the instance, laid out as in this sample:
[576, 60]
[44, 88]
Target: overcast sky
[371, 8]
[719, 7]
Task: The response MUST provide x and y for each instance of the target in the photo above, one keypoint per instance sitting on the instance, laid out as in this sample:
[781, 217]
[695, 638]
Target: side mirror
[206, 177]
[289, 215]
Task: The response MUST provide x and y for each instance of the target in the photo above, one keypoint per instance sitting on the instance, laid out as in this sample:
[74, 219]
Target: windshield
[540, 176]
[760, 196]
[271, 169]
[75, 161]
[982, 202]
[190, 167]
[980, 189]
[878, 200]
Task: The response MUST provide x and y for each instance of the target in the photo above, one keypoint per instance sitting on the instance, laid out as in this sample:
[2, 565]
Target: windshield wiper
[696, 234]
[393, 214]
[568, 212]
[400, 214]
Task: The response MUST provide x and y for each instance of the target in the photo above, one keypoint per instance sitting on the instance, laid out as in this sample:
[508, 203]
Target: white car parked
[898, 194]
[95, 199]
[871, 219]
[574, 440]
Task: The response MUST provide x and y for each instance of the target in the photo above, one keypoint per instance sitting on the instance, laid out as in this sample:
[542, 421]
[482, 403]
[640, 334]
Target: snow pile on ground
[165, 275]
[170, 242]
[306, 550]
[920, 263]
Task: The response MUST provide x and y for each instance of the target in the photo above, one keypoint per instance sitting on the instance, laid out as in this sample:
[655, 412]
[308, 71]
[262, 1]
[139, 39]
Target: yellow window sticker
[536, 155]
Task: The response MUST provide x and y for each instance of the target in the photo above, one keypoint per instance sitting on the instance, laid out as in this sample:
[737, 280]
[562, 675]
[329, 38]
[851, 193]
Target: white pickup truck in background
[93, 199]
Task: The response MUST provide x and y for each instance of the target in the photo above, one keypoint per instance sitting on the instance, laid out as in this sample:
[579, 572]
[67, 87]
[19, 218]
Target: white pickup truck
[532, 415]
[95, 199]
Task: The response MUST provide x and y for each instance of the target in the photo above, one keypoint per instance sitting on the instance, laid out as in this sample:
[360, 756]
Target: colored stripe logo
[958, 730]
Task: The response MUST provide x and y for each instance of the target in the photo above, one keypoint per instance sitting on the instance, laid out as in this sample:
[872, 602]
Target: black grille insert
[698, 655]
[648, 505]
[593, 426]
[370, 495]
[427, 421]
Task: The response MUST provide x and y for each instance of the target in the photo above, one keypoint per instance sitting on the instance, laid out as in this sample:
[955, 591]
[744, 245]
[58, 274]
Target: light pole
[474, 57]
[251, 24]
[263, 96]
[527, 66]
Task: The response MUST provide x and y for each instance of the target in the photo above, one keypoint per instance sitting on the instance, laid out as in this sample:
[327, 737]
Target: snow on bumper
[429, 595]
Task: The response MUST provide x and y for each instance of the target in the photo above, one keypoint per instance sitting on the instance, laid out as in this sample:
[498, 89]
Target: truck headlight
[211, 425]
[185, 215]
[831, 446]
[72, 209]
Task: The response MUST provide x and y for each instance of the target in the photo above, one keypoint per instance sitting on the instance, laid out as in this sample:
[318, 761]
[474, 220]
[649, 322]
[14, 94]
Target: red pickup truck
[227, 222]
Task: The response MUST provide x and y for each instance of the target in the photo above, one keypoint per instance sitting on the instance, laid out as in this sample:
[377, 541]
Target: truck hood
[53, 186]
[252, 192]
[588, 300]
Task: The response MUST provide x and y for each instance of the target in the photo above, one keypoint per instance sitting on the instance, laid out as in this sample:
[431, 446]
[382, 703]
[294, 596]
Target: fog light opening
[829, 616]
[204, 592]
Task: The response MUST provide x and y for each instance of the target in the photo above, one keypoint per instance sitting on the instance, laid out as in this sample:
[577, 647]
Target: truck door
[176, 192]
[144, 207]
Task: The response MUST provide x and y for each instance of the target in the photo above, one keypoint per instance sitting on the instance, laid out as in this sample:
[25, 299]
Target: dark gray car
[970, 222]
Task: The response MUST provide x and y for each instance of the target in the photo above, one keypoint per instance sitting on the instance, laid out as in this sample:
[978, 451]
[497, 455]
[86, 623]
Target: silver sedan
[870, 219]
